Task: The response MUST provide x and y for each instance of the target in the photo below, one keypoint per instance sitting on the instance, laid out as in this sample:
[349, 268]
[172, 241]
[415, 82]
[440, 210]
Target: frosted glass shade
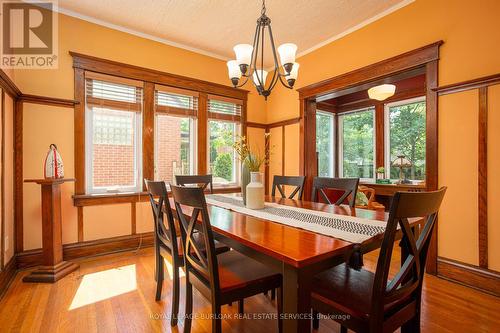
[262, 76]
[233, 69]
[294, 72]
[243, 54]
[287, 53]
[382, 92]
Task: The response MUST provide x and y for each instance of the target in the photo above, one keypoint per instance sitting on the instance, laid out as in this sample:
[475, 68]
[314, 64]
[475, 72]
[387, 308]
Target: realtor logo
[29, 35]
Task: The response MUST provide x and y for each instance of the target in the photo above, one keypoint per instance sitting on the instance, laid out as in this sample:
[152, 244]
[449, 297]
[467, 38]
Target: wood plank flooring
[115, 293]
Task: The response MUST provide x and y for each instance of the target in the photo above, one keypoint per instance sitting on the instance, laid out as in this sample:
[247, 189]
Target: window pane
[324, 144]
[223, 160]
[358, 144]
[407, 137]
[174, 147]
[113, 148]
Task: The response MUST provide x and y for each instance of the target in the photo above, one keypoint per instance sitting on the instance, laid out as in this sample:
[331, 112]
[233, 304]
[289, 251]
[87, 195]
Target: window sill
[83, 200]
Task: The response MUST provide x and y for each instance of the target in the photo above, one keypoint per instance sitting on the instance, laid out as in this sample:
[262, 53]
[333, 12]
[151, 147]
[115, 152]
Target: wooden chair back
[201, 180]
[280, 181]
[199, 252]
[348, 185]
[407, 283]
[158, 197]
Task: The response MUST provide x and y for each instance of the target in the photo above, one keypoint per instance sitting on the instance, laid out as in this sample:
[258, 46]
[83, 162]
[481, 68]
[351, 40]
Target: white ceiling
[213, 27]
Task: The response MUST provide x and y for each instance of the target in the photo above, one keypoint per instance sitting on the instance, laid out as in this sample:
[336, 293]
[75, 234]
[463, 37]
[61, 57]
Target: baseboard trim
[30, 258]
[7, 275]
[472, 276]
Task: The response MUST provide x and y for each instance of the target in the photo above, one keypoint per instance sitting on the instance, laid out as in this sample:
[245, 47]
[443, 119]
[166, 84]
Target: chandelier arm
[253, 51]
[256, 50]
[285, 83]
[273, 47]
[242, 84]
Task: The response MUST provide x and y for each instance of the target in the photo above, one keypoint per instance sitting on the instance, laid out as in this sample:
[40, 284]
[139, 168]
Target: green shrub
[223, 166]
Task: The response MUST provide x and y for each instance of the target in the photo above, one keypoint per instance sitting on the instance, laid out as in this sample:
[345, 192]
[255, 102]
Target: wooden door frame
[426, 57]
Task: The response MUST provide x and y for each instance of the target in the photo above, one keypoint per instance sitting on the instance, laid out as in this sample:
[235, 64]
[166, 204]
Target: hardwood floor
[115, 293]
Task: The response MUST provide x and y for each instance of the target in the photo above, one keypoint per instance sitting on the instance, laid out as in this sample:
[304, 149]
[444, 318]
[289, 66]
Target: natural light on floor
[99, 286]
[170, 270]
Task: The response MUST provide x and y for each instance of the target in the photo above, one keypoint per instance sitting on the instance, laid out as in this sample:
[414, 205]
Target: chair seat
[237, 271]
[348, 290]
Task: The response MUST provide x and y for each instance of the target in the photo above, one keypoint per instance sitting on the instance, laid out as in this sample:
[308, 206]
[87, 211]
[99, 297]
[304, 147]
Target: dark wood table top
[294, 246]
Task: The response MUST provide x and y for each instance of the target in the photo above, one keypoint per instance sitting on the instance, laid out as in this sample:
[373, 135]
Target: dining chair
[203, 180]
[220, 278]
[348, 185]
[167, 243]
[280, 181]
[364, 301]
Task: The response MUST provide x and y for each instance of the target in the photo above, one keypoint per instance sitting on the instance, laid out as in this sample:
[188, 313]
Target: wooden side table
[53, 266]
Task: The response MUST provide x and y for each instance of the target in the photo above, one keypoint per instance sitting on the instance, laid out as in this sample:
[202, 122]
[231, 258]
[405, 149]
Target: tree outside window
[357, 143]
[407, 130]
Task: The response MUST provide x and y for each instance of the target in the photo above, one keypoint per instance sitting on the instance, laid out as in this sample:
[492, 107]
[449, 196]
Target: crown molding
[139, 34]
[358, 26]
[219, 56]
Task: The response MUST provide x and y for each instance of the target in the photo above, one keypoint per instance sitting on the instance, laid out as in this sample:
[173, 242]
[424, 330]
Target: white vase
[255, 191]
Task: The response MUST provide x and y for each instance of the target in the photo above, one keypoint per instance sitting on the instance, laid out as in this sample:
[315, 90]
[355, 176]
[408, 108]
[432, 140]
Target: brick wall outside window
[168, 134]
[113, 165]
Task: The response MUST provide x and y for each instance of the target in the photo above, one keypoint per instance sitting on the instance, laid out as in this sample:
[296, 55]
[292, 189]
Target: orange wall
[44, 125]
[471, 49]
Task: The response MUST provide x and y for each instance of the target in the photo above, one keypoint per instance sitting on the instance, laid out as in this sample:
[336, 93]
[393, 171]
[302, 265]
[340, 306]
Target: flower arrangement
[252, 159]
[380, 170]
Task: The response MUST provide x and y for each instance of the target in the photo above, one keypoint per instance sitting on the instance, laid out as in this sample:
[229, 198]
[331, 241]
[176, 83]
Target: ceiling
[213, 27]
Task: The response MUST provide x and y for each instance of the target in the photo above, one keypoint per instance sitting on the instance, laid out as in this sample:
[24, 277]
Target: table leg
[296, 300]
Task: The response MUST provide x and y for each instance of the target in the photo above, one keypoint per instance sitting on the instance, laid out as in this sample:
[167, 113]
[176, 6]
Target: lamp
[382, 91]
[250, 61]
[402, 162]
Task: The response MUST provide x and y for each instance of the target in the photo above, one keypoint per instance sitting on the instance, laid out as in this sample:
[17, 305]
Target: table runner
[348, 228]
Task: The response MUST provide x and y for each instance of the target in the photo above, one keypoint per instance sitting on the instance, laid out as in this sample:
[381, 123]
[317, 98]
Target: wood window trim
[424, 58]
[150, 80]
[84, 200]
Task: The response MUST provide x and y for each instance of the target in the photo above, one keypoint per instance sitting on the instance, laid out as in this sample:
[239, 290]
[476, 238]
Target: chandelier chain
[263, 10]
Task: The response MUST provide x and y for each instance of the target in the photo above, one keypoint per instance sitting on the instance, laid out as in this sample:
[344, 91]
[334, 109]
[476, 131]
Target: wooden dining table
[297, 253]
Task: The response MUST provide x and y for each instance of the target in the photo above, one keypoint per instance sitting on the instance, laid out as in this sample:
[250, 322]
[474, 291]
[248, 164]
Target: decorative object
[251, 161]
[250, 60]
[53, 266]
[53, 167]
[255, 191]
[245, 180]
[380, 173]
[402, 162]
[382, 92]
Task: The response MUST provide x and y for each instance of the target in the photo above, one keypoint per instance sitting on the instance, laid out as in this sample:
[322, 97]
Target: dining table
[297, 253]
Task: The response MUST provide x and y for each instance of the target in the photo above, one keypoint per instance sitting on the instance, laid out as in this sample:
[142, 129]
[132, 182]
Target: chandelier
[250, 61]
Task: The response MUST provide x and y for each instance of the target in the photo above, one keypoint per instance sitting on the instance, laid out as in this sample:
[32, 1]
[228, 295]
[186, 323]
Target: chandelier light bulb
[259, 74]
[287, 54]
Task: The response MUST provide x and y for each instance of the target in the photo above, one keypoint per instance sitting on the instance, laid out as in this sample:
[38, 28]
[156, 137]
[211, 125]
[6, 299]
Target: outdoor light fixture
[250, 61]
[382, 92]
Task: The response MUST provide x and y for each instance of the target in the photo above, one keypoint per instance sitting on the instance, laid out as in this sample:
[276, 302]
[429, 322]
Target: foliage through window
[325, 143]
[357, 144]
[223, 162]
[405, 135]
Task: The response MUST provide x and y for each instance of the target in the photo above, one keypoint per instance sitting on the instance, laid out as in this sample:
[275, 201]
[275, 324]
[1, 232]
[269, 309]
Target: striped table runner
[348, 228]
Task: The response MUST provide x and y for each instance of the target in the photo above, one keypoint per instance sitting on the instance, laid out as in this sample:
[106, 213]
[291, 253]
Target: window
[175, 133]
[113, 135]
[357, 144]
[405, 135]
[325, 143]
[223, 128]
